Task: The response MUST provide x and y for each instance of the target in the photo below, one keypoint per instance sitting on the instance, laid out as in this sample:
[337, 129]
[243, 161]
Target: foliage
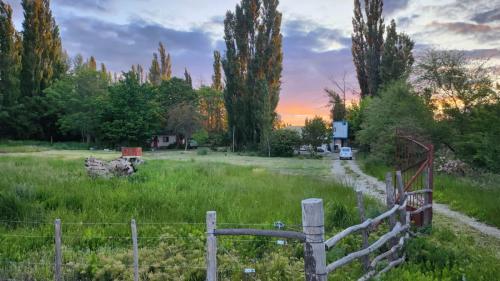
[367, 44]
[252, 68]
[355, 115]
[202, 151]
[217, 77]
[315, 132]
[165, 63]
[397, 107]
[338, 109]
[129, 115]
[183, 119]
[397, 56]
[284, 142]
[211, 105]
[77, 99]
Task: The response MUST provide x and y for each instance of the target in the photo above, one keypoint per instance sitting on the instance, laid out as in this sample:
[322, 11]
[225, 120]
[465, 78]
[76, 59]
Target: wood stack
[119, 167]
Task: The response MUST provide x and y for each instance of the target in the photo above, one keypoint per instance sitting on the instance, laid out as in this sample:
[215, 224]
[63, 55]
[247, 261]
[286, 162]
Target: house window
[165, 139]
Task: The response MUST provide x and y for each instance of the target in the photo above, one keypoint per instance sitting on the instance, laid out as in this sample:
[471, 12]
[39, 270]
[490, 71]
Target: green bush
[202, 151]
[283, 142]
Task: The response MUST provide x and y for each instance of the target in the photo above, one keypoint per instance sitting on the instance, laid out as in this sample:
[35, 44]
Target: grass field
[479, 198]
[169, 197]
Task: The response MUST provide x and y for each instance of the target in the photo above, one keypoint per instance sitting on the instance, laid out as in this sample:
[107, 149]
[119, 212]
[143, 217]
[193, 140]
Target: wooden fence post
[389, 189]
[135, 249]
[314, 246]
[364, 232]
[211, 246]
[427, 198]
[58, 252]
[402, 197]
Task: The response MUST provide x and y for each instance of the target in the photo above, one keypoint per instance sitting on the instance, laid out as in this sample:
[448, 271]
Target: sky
[316, 35]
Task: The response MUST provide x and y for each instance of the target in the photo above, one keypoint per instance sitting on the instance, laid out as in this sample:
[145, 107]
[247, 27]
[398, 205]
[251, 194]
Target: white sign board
[340, 129]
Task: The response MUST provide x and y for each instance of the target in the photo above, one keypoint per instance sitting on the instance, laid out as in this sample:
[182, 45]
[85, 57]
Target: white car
[345, 153]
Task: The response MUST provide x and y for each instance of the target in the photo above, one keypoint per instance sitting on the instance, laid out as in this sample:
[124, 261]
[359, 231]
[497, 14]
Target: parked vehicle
[345, 153]
[192, 144]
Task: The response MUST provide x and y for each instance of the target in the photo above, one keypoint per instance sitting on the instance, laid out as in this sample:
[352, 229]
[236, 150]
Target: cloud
[121, 45]
[462, 27]
[391, 6]
[488, 16]
[99, 5]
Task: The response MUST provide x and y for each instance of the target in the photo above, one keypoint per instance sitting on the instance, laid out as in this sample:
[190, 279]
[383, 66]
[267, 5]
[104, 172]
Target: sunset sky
[316, 33]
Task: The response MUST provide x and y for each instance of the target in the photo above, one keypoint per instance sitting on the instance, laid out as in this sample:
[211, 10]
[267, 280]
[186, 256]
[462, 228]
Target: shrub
[283, 142]
[202, 151]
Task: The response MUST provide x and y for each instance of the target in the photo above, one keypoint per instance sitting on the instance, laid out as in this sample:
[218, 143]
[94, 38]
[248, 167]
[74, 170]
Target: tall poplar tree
[367, 44]
[217, 77]
[165, 63]
[397, 57]
[43, 59]
[10, 47]
[92, 64]
[155, 71]
[252, 67]
[187, 78]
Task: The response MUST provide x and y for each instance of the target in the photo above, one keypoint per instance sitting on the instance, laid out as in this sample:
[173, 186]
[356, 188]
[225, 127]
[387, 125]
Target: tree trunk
[186, 146]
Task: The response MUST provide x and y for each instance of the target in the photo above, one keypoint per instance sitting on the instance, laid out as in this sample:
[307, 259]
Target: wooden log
[211, 246]
[355, 228]
[314, 246]
[419, 192]
[427, 199]
[373, 247]
[364, 232]
[421, 209]
[261, 232]
[135, 247]
[58, 251]
[389, 188]
[391, 265]
[402, 197]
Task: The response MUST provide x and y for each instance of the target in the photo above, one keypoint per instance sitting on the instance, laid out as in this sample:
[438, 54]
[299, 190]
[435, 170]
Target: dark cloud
[488, 16]
[99, 5]
[120, 46]
[391, 6]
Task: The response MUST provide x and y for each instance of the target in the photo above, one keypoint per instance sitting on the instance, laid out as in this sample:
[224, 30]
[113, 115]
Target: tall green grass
[10, 146]
[477, 197]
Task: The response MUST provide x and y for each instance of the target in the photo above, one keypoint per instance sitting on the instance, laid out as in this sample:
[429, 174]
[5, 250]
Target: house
[340, 134]
[164, 140]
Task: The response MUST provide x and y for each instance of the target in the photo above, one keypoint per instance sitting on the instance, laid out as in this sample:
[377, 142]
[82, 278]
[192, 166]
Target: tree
[77, 100]
[396, 107]
[187, 77]
[92, 64]
[367, 42]
[315, 132]
[397, 57]
[155, 71]
[171, 93]
[338, 110]
[252, 67]
[183, 119]
[130, 115]
[43, 58]
[165, 63]
[211, 104]
[217, 77]
[10, 48]
[284, 142]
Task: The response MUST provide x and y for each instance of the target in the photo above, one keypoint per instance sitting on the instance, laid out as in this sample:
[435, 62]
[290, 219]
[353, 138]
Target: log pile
[120, 167]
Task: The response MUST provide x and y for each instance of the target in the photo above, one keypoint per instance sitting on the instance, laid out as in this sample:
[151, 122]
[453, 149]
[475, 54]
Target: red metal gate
[414, 158]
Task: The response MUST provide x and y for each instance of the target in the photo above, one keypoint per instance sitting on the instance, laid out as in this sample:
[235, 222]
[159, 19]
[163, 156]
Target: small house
[164, 140]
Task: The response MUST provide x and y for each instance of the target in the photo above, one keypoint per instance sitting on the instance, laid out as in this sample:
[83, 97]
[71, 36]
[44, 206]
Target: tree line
[444, 97]
[45, 95]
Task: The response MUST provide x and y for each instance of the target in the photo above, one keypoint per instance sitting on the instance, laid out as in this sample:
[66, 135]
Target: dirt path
[349, 173]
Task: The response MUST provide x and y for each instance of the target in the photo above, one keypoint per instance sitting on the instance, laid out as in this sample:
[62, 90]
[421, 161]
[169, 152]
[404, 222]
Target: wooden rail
[260, 232]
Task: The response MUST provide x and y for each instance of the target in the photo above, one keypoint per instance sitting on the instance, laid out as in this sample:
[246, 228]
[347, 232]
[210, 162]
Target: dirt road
[349, 173]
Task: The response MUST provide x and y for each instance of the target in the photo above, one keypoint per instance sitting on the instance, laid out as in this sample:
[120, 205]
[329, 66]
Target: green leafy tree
[130, 115]
[10, 48]
[155, 71]
[217, 77]
[252, 68]
[284, 142]
[187, 78]
[397, 56]
[367, 44]
[397, 107]
[78, 99]
[92, 64]
[165, 63]
[315, 132]
[337, 106]
[184, 120]
[211, 104]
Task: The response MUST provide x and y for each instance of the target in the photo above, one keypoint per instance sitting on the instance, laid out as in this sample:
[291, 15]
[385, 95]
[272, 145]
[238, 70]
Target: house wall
[165, 140]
